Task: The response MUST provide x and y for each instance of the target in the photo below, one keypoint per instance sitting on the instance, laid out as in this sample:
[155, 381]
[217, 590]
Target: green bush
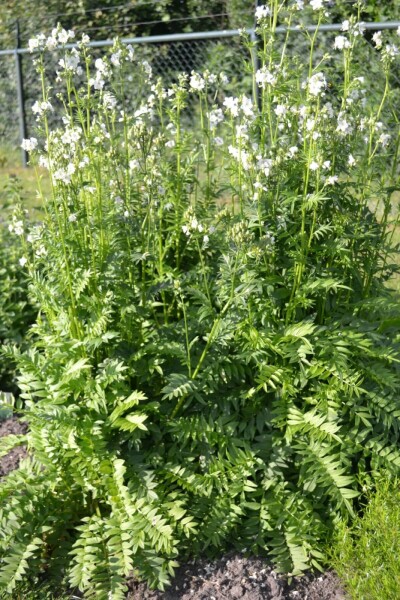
[16, 311]
[365, 555]
[215, 358]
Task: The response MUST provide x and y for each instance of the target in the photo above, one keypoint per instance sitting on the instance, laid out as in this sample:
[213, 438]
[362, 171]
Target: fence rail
[18, 80]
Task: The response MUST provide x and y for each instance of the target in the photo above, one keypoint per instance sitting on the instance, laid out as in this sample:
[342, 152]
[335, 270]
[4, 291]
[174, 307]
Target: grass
[366, 556]
[12, 174]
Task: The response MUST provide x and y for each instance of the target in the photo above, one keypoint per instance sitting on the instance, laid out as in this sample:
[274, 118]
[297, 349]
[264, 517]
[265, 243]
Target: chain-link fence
[168, 56]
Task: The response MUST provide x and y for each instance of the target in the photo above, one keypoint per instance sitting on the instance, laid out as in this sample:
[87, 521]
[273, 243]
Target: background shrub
[16, 311]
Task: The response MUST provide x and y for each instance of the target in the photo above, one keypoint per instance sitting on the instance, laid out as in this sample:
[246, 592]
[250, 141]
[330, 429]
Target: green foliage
[216, 358]
[365, 554]
[16, 311]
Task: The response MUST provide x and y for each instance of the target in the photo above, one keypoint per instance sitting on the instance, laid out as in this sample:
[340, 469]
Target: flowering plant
[216, 355]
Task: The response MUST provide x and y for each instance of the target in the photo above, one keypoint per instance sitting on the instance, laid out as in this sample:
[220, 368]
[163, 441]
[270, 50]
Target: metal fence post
[254, 58]
[20, 94]
[255, 61]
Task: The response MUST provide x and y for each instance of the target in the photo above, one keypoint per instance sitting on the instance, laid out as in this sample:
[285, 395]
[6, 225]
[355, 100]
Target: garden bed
[233, 577]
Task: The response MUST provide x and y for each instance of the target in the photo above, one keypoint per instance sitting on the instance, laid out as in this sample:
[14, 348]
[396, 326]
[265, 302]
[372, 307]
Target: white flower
[196, 82]
[293, 150]
[343, 126]
[71, 136]
[280, 110]
[314, 166]
[215, 117]
[317, 4]
[134, 164]
[265, 77]
[332, 180]
[316, 84]
[52, 41]
[232, 105]
[262, 12]
[351, 161]
[206, 239]
[346, 25]
[44, 162]
[265, 165]
[33, 44]
[147, 68]
[170, 144]
[247, 107]
[241, 156]
[116, 58]
[64, 36]
[218, 141]
[16, 227]
[326, 164]
[72, 218]
[101, 66]
[85, 40]
[398, 31]
[384, 139]
[71, 62]
[310, 124]
[22, 261]
[64, 175]
[377, 39]
[37, 43]
[29, 144]
[241, 132]
[341, 42]
[41, 251]
[39, 108]
[109, 101]
[391, 50]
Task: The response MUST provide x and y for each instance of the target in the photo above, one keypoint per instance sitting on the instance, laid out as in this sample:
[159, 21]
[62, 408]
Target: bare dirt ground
[232, 577]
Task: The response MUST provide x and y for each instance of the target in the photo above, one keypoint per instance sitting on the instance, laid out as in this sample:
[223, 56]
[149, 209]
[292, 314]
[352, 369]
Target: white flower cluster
[102, 72]
[236, 105]
[29, 144]
[317, 84]
[64, 174]
[58, 37]
[16, 226]
[193, 226]
[353, 27]
[265, 77]
[317, 4]
[215, 117]
[377, 39]
[198, 82]
[341, 43]
[242, 156]
[262, 13]
[40, 108]
[70, 63]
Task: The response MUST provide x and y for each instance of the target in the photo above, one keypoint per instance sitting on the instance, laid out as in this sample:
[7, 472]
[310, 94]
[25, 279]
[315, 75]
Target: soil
[11, 461]
[233, 577]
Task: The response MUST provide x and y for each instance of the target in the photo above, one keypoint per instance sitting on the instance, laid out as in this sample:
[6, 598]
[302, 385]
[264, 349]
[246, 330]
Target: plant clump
[215, 361]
